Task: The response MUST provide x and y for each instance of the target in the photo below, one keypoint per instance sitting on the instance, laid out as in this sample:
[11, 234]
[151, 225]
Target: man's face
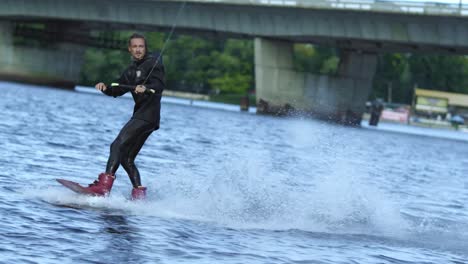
[137, 48]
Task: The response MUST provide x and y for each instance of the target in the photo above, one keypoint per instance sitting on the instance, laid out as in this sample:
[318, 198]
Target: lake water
[224, 187]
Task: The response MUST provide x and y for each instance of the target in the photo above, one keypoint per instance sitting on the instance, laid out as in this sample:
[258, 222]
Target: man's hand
[101, 87]
[140, 89]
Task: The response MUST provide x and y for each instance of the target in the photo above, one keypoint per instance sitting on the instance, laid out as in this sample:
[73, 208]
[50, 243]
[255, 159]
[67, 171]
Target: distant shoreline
[170, 98]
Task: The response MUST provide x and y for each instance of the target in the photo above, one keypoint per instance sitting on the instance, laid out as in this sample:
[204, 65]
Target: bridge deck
[456, 8]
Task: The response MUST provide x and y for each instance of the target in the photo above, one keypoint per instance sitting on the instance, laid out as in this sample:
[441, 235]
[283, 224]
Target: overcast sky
[439, 1]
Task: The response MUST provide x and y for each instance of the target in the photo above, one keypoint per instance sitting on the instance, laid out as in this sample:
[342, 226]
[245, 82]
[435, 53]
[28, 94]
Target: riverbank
[417, 130]
[183, 99]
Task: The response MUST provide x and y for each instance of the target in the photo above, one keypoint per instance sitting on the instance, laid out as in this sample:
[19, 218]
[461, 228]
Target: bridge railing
[401, 6]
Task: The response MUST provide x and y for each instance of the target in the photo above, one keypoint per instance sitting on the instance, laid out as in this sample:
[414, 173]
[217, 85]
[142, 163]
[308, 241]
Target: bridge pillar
[353, 83]
[277, 85]
[6, 45]
[57, 64]
[281, 90]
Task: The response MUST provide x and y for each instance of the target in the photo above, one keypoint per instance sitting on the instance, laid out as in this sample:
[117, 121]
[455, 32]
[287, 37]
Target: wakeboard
[74, 186]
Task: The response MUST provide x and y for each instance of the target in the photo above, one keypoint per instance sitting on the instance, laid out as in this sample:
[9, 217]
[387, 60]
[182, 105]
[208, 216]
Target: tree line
[226, 66]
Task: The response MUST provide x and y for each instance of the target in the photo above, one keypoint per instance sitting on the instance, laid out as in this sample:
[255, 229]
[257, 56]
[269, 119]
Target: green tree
[404, 71]
[315, 59]
[187, 62]
[102, 65]
[231, 70]
[440, 72]
[392, 71]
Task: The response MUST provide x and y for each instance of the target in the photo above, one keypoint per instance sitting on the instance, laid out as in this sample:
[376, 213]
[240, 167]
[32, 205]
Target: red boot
[139, 193]
[102, 186]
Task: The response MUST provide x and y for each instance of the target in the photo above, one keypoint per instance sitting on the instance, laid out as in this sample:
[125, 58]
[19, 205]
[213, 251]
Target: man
[145, 72]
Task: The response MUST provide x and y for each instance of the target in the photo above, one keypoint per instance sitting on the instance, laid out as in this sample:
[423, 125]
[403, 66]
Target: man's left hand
[140, 89]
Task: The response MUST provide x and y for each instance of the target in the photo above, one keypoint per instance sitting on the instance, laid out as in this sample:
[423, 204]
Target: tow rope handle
[131, 87]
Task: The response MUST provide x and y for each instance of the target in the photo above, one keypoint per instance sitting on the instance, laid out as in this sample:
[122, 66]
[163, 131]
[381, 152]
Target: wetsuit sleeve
[117, 91]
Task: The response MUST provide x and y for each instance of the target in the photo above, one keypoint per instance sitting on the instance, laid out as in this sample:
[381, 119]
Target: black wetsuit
[146, 114]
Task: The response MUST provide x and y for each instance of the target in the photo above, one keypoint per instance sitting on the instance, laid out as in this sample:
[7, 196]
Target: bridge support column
[57, 64]
[6, 45]
[358, 70]
[281, 90]
[278, 86]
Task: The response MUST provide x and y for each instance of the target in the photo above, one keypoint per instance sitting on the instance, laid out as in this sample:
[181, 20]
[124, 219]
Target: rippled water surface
[224, 187]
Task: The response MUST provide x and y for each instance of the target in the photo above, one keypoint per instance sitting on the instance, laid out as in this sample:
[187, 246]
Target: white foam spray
[323, 193]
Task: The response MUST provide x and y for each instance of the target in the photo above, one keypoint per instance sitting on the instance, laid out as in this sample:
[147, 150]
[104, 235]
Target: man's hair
[134, 36]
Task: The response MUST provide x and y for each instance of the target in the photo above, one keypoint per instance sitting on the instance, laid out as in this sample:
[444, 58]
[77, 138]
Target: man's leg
[129, 134]
[127, 159]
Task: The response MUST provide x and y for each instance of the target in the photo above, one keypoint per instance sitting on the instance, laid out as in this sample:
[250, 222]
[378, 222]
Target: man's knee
[116, 145]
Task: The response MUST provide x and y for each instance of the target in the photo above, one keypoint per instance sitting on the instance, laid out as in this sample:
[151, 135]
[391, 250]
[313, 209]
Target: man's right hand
[100, 87]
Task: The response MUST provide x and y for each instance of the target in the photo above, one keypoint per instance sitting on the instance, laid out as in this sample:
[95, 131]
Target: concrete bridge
[359, 28]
